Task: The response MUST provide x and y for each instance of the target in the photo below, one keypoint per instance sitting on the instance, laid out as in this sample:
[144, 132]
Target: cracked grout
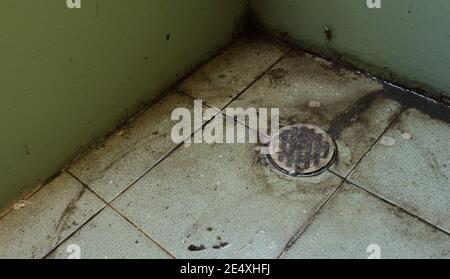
[399, 207]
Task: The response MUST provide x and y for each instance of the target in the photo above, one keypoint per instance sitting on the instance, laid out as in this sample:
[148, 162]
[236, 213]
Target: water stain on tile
[277, 76]
[70, 209]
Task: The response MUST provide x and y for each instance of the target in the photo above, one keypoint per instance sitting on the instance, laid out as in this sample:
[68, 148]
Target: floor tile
[354, 221]
[224, 200]
[221, 79]
[127, 154]
[410, 167]
[109, 236]
[48, 217]
[310, 90]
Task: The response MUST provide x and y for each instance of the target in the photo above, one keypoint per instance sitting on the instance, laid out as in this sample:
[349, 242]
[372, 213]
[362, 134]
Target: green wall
[69, 76]
[407, 41]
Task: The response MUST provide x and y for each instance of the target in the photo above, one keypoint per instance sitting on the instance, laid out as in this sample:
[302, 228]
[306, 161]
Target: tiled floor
[139, 195]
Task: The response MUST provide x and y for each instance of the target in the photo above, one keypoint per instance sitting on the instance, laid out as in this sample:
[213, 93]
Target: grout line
[143, 232]
[306, 225]
[96, 214]
[136, 180]
[84, 223]
[180, 91]
[337, 174]
[242, 91]
[86, 186]
[394, 121]
[258, 78]
[160, 160]
[61, 241]
[108, 204]
[399, 207]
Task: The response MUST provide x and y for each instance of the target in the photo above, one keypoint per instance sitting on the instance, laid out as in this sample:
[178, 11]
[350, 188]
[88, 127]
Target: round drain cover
[302, 150]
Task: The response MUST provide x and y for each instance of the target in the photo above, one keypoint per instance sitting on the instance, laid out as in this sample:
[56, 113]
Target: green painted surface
[407, 41]
[69, 76]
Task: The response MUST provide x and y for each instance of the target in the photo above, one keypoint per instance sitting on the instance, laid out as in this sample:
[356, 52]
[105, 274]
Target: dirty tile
[309, 90]
[221, 79]
[355, 224]
[109, 236]
[223, 201]
[127, 154]
[410, 166]
[356, 137]
[47, 217]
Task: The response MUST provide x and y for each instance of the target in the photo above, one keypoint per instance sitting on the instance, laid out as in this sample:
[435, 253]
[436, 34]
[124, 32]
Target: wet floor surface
[139, 195]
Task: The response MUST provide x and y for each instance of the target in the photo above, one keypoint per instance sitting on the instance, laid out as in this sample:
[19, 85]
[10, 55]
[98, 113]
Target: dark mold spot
[278, 73]
[27, 149]
[445, 100]
[328, 33]
[346, 118]
[412, 99]
[168, 37]
[195, 248]
[277, 76]
[221, 245]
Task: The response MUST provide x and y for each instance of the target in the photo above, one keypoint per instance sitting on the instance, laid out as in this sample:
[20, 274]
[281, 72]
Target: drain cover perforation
[302, 150]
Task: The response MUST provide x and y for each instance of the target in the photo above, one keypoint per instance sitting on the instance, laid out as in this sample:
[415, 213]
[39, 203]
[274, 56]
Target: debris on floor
[21, 204]
[387, 141]
[315, 104]
[406, 136]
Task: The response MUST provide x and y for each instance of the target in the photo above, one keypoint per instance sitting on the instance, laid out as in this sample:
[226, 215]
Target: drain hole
[302, 150]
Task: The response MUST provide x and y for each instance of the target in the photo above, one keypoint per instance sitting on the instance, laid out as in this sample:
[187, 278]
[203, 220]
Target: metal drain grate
[302, 150]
